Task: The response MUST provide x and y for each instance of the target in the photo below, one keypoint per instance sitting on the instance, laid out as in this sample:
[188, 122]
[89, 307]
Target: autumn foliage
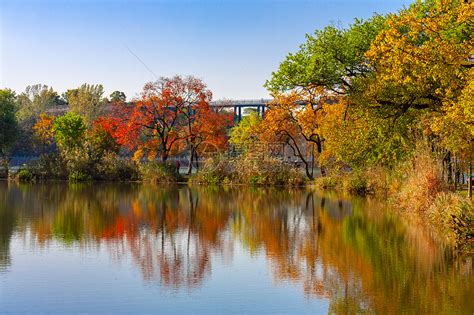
[349, 98]
[393, 82]
[172, 115]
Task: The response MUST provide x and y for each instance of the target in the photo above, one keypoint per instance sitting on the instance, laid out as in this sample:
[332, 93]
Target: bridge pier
[238, 105]
[237, 113]
[261, 110]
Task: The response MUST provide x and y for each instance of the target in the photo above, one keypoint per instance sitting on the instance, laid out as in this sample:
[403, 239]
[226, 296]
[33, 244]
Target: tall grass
[157, 172]
[419, 189]
[246, 169]
[416, 183]
[453, 216]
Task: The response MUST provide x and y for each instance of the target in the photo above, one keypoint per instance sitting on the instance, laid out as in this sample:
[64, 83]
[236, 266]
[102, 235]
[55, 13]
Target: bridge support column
[240, 113]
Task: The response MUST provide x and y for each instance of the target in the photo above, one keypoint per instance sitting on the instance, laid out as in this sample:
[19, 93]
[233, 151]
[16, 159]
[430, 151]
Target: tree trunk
[309, 173]
[5, 163]
[191, 158]
[164, 156]
[5, 166]
[450, 168]
[196, 159]
[469, 180]
[319, 146]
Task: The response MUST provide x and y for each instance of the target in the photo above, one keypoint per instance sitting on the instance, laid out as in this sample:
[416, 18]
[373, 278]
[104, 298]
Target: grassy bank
[109, 168]
[248, 170]
[413, 188]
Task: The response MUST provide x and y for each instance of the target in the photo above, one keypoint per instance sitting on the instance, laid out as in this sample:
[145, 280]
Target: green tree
[8, 126]
[87, 101]
[36, 99]
[331, 58]
[69, 131]
[118, 96]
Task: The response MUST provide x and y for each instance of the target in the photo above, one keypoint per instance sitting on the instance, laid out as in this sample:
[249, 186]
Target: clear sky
[232, 45]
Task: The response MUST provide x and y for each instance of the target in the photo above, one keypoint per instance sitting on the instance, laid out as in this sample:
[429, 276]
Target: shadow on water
[350, 251]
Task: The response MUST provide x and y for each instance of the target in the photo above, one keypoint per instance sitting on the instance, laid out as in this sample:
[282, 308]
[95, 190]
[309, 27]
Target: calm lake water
[130, 248]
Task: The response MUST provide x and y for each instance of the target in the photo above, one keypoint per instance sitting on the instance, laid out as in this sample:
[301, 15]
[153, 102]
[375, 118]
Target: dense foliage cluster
[366, 96]
[94, 137]
[377, 92]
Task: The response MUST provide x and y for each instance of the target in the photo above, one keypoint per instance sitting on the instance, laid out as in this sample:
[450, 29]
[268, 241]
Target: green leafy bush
[24, 175]
[69, 131]
[77, 176]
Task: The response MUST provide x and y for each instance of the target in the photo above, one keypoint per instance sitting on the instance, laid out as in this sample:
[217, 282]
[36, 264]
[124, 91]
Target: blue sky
[232, 45]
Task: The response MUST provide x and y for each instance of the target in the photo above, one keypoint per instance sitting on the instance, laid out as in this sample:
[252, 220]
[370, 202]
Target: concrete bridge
[237, 106]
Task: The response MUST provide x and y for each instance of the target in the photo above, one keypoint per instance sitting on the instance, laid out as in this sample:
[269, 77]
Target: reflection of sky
[88, 281]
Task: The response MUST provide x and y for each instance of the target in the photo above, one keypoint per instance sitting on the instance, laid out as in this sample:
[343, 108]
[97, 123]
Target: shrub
[24, 175]
[77, 176]
[356, 183]
[159, 172]
[452, 215]
[3, 173]
[216, 170]
[226, 181]
[48, 166]
[376, 178]
[78, 160]
[112, 167]
[266, 172]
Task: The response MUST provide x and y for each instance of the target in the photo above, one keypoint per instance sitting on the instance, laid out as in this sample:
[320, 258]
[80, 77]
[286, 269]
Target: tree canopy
[8, 124]
[88, 101]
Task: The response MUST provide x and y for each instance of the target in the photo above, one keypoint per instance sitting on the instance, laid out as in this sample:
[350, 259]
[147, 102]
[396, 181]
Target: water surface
[130, 248]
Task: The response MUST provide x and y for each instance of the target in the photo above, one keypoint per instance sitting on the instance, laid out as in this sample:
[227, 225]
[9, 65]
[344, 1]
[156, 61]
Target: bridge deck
[241, 103]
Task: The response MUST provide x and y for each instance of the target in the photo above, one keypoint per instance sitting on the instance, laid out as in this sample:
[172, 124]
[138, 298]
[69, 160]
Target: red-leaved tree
[172, 114]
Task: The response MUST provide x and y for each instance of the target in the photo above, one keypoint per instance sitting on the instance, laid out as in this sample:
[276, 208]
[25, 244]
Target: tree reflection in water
[352, 252]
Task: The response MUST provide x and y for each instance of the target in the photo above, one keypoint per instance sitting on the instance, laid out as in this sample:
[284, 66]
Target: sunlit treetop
[420, 56]
[329, 58]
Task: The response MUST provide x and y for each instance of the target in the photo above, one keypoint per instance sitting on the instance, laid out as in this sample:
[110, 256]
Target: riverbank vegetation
[382, 106]
[248, 169]
[388, 109]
